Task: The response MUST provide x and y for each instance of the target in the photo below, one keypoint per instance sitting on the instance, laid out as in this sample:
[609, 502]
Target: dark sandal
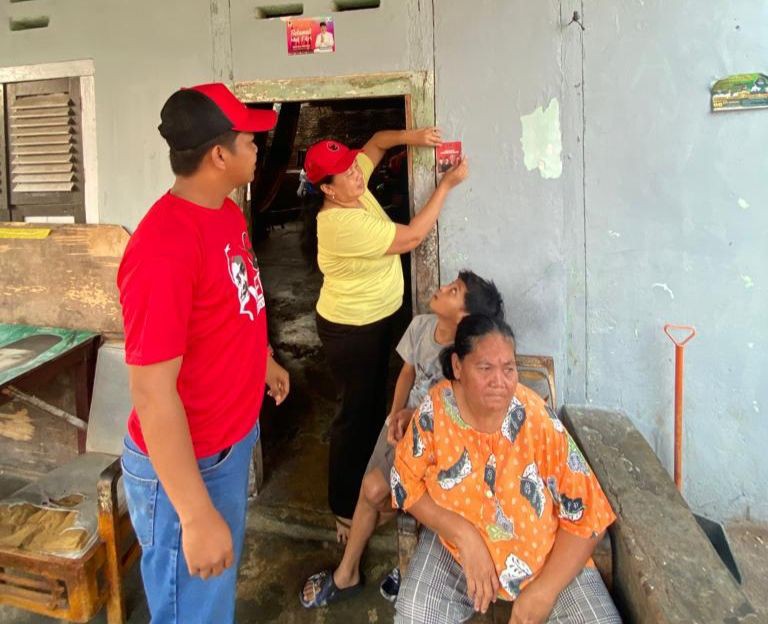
[325, 590]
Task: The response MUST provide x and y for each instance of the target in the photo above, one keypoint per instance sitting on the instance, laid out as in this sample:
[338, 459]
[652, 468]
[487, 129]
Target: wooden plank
[43, 168]
[64, 156]
[323, 88]
[47, 71]
[49, 139]
[44, 113]
[21, 153]
[41, 178]
[42, 130]
[40, 101]
[665, 570]
[40, 121]
[89, 159]
[65, 280]
[45, 187]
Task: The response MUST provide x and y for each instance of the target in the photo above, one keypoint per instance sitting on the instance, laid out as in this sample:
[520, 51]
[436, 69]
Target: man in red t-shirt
[198, 358]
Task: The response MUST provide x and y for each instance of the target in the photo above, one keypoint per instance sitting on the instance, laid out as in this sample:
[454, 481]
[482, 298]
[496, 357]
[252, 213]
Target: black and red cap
[195, 115]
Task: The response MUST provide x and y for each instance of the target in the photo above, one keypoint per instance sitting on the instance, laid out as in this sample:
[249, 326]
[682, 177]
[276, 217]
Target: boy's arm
[403, 387]
[399, 416]
[206, 538]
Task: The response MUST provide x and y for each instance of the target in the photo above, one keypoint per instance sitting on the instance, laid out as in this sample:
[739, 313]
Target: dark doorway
[295, 435]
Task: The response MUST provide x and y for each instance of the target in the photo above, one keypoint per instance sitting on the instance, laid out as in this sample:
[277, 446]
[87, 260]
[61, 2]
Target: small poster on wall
[448, 154]
[740, 92]
[312, 35]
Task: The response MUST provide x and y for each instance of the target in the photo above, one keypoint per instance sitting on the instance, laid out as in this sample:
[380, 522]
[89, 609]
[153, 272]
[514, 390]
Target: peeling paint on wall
[747, 280]
[743, 203]
[542, 140]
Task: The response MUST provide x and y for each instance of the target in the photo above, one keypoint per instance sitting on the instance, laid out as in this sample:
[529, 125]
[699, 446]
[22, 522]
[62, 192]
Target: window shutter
[43, 120]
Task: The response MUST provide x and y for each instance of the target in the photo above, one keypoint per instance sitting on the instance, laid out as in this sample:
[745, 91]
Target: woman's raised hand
[427, 137]
[456, 174]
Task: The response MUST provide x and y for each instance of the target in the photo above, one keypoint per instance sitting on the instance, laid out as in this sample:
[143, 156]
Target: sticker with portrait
[312, 35]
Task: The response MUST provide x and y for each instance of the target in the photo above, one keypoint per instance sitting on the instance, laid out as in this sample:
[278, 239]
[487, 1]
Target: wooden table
[36, 354]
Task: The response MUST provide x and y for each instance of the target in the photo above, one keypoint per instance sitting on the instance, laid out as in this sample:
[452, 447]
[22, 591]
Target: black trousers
[358, 357]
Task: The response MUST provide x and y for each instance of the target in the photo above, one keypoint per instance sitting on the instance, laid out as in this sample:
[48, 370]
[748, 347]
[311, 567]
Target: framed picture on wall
[740, 92]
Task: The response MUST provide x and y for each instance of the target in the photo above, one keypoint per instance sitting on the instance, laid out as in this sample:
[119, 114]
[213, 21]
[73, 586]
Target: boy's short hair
[186, 162]
[482, 296]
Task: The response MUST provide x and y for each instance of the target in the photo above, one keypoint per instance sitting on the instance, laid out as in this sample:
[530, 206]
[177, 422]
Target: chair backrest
[111, 402]
[538, 373]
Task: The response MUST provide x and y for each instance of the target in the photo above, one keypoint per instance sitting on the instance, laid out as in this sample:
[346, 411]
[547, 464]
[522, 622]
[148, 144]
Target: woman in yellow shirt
[357, 252]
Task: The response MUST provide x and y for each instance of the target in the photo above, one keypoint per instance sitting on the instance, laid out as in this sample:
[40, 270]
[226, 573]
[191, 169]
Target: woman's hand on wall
[456, 174]
[425, 137]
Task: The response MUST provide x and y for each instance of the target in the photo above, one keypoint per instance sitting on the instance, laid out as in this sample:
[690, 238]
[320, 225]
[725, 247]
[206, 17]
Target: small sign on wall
[312, 35]
[739, 92]
[447, 155]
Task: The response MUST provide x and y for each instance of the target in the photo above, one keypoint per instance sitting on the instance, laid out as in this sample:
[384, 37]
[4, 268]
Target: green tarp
[24, 348]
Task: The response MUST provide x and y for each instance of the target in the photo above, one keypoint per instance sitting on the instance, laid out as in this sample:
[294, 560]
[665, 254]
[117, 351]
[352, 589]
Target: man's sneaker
[390, 586]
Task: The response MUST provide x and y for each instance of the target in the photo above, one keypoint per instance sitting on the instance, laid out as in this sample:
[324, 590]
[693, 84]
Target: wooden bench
[665, 570]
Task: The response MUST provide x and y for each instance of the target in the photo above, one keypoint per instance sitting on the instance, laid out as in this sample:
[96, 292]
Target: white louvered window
[43, 150]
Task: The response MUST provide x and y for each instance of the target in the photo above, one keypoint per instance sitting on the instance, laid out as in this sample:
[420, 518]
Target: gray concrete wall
[657, 217]
[492, 67]
[601, 213]
[367, 41]
[676, 226]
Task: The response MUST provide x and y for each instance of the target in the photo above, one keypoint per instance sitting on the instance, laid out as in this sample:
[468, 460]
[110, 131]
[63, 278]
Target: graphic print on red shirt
[239, 274]
[190, 287]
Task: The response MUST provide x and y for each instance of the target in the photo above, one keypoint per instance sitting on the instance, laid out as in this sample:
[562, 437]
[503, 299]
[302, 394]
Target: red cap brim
[256, 120]
[345, 162]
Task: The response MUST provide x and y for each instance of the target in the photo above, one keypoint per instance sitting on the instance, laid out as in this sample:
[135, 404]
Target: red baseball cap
[193, 116]
[327, 158]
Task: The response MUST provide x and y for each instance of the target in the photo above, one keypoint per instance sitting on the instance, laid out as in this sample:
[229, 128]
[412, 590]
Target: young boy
[420, 348]
[198, 359]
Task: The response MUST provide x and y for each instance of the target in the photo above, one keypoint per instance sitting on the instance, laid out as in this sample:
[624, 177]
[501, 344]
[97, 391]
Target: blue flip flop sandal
[325, 590]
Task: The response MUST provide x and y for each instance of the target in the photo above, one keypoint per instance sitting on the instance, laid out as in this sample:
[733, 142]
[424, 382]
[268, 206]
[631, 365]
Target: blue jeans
[173, 595]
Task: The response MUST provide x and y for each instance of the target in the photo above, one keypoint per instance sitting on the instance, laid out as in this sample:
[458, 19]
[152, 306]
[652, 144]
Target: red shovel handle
[679, 347]
[668, 329]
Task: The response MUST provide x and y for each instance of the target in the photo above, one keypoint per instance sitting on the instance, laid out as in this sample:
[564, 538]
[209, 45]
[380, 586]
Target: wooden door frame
[418, 89]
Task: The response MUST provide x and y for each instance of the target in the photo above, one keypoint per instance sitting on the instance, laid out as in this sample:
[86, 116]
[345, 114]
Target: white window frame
[83, 69]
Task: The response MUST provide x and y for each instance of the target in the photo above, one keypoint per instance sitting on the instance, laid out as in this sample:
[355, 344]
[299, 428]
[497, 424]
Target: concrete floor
[290, 531]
